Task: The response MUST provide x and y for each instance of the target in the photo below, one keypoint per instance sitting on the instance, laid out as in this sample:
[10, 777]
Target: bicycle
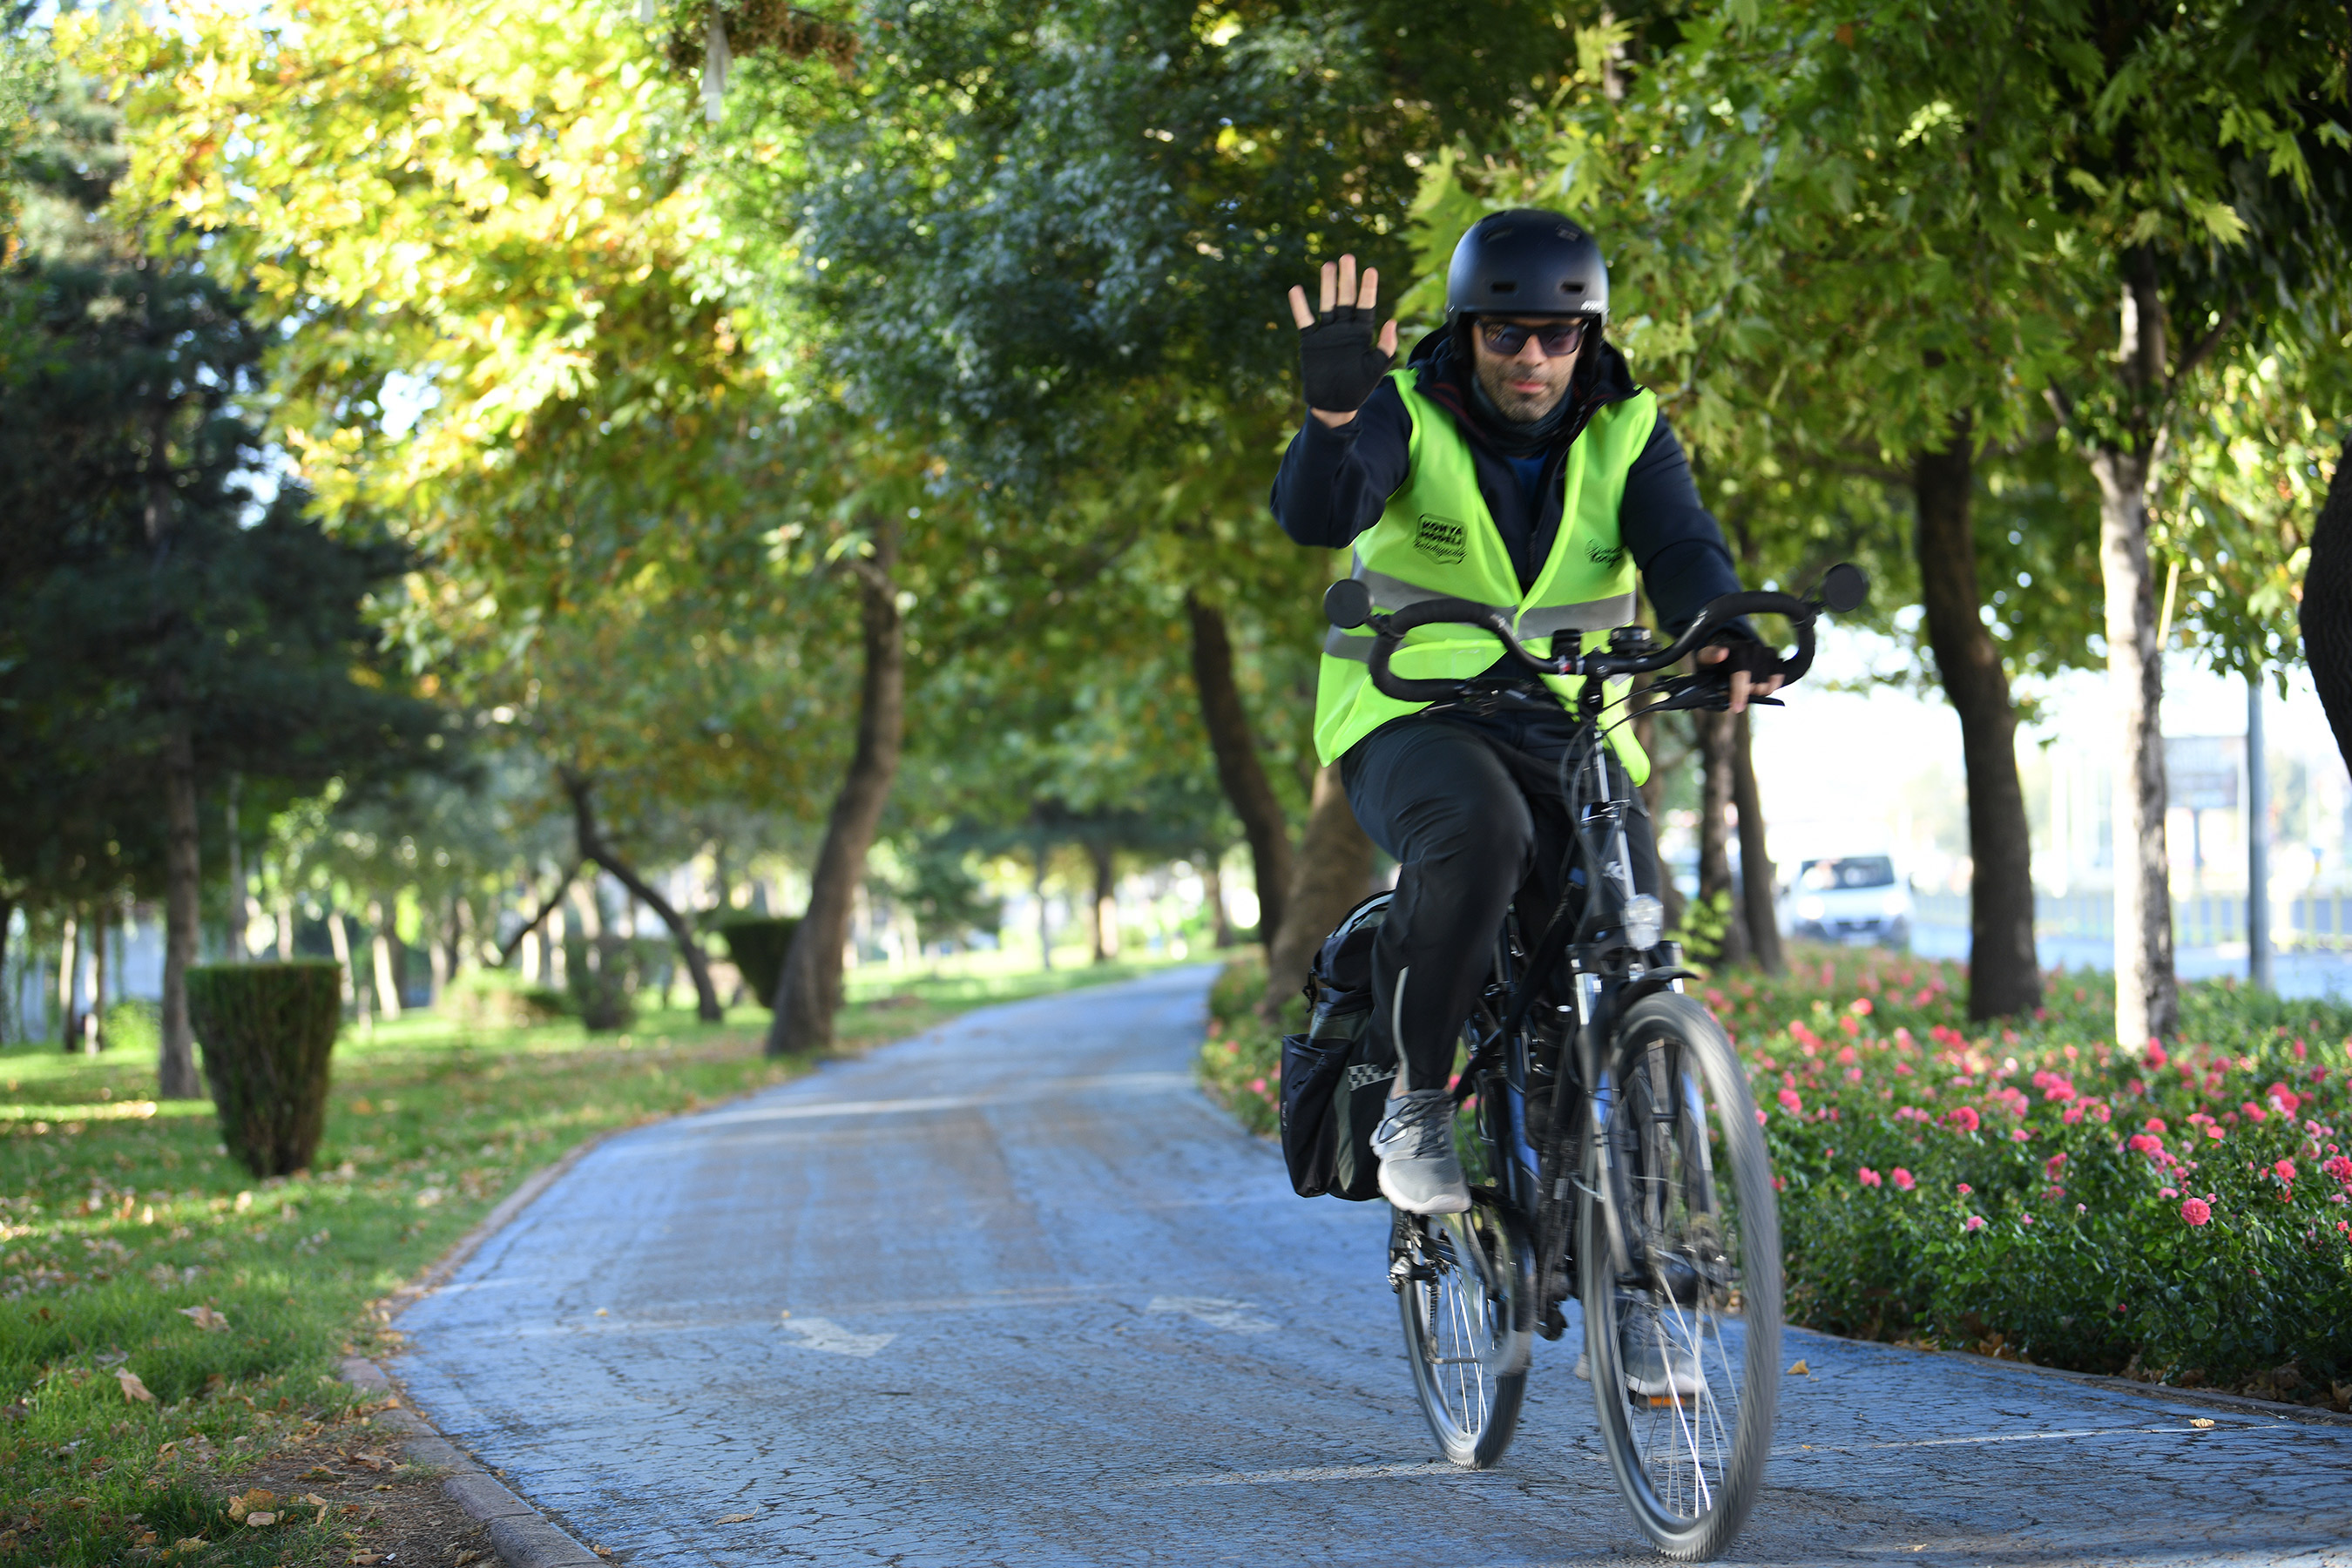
[1608, 1134]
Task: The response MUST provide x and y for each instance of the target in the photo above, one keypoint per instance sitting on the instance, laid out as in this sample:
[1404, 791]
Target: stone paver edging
[521, 1535]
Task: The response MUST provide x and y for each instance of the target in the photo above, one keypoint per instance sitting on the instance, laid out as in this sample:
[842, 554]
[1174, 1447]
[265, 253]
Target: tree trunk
[1333, 873]
[1756, 888]
[1239, 769]
[285, 931]
[70, 985]
[175, 1071]
[1213, 893]
[1044, 922]
[1716, 790]
[11, 1002]
[93, 1031]
[1106, 916]
[238, 913]
[2147, 995]
[338, 938]
[2004, 973]
[2327, 611]
[387, 982]
[592, 847]
[808, 993]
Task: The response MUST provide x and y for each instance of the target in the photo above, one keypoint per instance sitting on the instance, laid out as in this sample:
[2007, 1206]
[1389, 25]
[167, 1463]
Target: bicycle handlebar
[1347, 604]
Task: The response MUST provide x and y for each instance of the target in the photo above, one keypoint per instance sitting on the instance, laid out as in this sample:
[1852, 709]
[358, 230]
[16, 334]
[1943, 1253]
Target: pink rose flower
[2051, 1167]
[2196, 1211]
[1976, 1223]
[2156, 1124]
[1866, 1177]
[1964, 1189]
[1862, 1004]
[1903, 1180]
[2285, 1169]
[1791, 1102]
[1963, 1118]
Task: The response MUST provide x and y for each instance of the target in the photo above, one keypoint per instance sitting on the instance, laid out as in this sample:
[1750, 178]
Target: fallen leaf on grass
[1801, 1369]
[259, 1520]
[2200, 1422]
[364, 1559]
[187, 1543]
[205, 1318]
[242, 1505]
[737, 1518]
[314, 1499]
[131, 1387]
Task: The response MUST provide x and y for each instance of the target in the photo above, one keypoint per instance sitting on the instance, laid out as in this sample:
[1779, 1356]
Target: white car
[1850, 898]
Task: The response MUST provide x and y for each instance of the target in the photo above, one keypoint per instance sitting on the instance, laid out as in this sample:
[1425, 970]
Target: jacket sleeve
[1676, 543]
[1333, 484]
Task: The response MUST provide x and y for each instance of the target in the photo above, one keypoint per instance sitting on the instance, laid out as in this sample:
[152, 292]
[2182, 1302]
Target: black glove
[1761, 660]
[1341, 360]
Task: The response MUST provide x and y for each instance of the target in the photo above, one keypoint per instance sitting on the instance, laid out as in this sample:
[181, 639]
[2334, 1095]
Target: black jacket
[1334, 483]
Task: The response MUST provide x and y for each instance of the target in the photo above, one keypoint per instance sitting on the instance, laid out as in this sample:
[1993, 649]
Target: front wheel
[1679, 1258]
[1465, 1289]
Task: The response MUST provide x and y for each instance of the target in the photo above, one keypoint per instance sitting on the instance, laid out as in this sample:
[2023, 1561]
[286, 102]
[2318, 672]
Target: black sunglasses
[1559, 338]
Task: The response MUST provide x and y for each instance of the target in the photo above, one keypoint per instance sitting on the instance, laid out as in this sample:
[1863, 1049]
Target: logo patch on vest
[1601, 555]
[1441, 539]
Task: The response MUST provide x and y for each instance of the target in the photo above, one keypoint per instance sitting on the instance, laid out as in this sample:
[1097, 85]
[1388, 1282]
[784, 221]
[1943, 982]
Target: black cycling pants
[1473, 823]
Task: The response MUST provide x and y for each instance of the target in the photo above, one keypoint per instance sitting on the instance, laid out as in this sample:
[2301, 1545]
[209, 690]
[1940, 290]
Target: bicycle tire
[1465, 1291]
[1679, 1271]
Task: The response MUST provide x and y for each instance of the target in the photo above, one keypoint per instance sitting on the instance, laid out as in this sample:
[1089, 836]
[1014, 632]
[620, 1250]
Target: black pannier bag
[1335, 1079]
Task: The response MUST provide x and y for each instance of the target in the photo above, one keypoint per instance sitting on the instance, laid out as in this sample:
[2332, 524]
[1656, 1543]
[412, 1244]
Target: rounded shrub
[266, 1030]
[757, 945]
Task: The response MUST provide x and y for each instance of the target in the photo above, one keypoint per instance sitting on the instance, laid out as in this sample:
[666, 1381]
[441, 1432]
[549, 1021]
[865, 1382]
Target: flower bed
[2030, 1191]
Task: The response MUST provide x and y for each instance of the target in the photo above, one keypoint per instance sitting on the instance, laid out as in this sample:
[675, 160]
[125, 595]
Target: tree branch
[507, 948]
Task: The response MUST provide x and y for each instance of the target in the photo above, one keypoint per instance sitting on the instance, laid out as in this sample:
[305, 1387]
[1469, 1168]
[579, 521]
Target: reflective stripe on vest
[1437, 539]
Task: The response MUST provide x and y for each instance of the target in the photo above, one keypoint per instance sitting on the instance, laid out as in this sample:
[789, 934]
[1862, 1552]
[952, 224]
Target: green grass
[119, 1217]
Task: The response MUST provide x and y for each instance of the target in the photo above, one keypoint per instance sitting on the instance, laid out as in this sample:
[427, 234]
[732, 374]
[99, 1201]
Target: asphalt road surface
[1013, 1292]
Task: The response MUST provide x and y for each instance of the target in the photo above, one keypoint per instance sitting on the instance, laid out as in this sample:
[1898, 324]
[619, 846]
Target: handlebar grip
[1422, 612]
[1404, 689]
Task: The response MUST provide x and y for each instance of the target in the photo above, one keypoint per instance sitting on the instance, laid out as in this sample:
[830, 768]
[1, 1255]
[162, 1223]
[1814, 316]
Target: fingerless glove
[1339, 360]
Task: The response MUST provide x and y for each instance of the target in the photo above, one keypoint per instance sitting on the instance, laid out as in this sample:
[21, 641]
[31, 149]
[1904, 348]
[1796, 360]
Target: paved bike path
[1047, 1306]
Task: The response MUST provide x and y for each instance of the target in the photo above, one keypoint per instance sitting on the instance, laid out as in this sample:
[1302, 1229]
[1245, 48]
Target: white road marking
[2182, 1431]
[825, 1335]
[1234, 1317]
[1115, 1083]
[1311, 1473]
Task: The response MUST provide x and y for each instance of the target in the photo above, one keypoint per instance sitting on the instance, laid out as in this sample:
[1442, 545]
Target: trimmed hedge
[267, 1030]
[757, 945]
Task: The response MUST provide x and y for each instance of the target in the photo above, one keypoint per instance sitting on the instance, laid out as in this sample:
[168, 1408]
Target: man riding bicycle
[1513, 461]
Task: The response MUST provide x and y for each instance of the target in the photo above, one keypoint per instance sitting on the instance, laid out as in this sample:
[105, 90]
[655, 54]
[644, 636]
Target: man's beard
[1495, 377]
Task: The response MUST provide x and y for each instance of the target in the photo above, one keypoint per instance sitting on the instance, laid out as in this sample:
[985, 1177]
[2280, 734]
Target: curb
[2240, 1403]
[521, 1535]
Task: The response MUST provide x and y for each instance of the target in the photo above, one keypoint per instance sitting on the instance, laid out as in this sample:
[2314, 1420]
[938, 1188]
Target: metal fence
[2318, 921]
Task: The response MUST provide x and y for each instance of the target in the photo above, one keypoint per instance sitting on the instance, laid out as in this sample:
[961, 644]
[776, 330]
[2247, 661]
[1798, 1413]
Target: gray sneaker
[1420, 1171]
[1659, 1362]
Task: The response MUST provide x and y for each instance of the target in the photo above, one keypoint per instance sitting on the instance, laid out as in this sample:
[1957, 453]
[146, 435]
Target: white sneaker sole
[1665, 1387]
[1444, 1202]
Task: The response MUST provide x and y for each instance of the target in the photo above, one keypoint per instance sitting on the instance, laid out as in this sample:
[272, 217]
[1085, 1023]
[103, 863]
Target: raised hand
[1341, 360]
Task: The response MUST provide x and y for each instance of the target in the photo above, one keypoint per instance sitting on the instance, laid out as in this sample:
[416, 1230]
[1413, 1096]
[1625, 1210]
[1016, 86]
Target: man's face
[1528, 385]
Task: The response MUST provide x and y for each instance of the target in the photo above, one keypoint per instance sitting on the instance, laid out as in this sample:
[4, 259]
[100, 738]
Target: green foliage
[2038, 1193]
[758, 945]
[500, 999]
[1240, 1063]
[1706, 923]
[1891, 1131]
[266, 1030]
[600, 982]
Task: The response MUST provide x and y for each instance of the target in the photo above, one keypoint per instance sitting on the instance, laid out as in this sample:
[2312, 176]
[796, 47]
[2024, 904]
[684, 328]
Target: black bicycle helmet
[1527, 262]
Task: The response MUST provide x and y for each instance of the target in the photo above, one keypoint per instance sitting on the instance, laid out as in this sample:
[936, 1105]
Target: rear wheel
[1465, 1289]
[1679, 1252]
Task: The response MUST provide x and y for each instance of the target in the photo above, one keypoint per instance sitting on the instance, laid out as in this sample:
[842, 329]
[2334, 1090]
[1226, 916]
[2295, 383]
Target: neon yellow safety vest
[1438, 540]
